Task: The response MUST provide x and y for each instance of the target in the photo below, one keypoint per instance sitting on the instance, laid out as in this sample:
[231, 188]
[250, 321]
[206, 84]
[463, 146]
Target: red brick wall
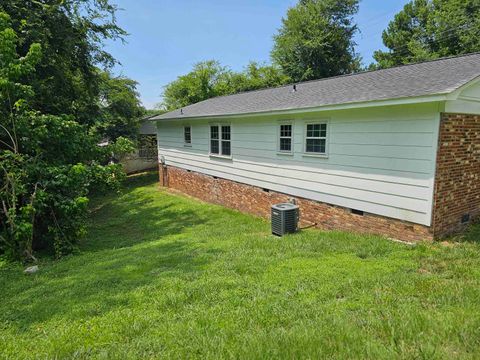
[457, 179]
[256, 201]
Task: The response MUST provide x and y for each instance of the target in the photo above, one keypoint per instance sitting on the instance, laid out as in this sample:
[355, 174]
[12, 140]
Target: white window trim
[283, 152]
[327, 138]
[219, 155]
[191, 137]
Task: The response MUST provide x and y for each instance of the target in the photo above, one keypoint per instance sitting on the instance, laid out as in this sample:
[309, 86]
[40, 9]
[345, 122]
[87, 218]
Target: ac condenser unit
[284, 218]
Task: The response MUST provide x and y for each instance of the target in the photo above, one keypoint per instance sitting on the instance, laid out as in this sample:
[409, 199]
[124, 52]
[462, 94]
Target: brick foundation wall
[256, 201]
[457, 179]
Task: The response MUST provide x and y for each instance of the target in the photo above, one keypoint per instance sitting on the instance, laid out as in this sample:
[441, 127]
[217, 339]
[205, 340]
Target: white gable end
[466, 100]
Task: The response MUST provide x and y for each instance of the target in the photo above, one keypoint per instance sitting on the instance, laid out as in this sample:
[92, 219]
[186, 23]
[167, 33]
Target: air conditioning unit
[284, 218]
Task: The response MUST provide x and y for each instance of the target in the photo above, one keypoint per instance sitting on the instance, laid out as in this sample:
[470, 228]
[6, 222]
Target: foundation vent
[357, 212]
[465, 218]
[284, 219]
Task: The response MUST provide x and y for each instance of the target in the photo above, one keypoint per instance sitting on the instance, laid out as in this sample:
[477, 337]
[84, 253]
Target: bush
[49, 164]
[44, 198]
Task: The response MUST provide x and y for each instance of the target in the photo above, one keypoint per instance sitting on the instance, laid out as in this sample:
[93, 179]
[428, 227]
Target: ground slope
[162, 275]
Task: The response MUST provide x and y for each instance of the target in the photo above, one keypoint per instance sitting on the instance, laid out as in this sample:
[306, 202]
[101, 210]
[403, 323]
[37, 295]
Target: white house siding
[380, 160]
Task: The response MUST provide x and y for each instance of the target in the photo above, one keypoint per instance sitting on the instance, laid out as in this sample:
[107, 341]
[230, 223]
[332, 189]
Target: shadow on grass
[140, 214]
[142, 179]
[138, 241]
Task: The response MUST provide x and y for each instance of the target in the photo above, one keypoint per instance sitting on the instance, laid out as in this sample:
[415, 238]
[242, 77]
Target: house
[393, 152]
[145, 156]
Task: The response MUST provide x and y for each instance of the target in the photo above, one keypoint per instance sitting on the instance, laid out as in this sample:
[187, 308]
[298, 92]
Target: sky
[166, 37]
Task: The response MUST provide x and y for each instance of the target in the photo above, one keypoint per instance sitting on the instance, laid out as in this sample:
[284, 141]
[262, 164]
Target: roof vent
[181, 111]
[294, 87]
[284, 219]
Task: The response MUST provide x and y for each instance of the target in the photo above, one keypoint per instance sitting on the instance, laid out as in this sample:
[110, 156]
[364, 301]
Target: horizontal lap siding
[380, 162]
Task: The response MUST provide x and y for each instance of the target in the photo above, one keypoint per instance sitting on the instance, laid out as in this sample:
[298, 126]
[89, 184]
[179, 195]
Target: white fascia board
[357, 105]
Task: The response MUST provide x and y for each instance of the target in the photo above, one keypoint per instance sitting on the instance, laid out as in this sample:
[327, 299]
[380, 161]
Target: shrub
[45, 206]
[49, 164]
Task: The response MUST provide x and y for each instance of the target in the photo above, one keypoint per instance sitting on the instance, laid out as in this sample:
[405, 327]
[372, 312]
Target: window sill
[217, 156]
[187, 145]
[285, 153]
[322, 156]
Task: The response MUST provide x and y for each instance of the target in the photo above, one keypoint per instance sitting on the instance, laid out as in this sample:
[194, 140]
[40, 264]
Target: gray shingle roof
[429, 78]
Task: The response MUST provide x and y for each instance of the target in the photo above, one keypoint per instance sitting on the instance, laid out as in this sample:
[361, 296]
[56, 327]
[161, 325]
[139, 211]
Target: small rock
[31, 269]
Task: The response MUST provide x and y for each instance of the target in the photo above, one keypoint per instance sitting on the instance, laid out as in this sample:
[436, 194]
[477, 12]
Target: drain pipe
[163, 171]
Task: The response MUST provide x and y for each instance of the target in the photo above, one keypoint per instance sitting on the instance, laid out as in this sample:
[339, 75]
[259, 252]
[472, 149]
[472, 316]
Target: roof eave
[344, 106]
[454, 95]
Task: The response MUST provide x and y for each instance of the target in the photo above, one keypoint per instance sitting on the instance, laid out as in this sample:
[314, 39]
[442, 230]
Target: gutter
[344, 106]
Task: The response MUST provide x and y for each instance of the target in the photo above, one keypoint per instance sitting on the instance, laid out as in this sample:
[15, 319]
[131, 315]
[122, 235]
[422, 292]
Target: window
[226, 140]
[316, 138]
[285, 138]
[214, 147]
[187, 135]
[220, 140]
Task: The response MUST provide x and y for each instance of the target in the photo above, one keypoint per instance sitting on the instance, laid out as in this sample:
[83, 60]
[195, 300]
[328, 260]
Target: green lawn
[163, 275]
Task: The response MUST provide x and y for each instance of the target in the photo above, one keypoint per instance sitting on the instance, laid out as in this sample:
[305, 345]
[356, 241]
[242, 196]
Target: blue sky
[168, 36]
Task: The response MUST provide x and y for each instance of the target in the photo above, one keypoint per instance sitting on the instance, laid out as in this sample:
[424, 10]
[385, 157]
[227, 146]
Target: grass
[165, 276]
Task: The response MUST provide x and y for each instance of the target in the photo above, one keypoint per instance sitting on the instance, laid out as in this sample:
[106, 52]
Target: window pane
[316, 130]
[316, 146]
[225, 132]
[313, 131]
[285, 144]
[323, 130]
[226, 148]
[187, 134]
[323, 146]
[213, 132]
[310, 145]
[214, 146]
[310, 130]
[286, 130]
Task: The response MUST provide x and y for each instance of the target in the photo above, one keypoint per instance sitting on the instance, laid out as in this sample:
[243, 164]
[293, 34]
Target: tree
[157, 110]
[12, 68]
[71, 33]
[120, 107]
[316, 40]
[210, 79]
[430, 29]
[207, 79]
[67, 79]
[257, 76]
[49, 164]
[16, 217]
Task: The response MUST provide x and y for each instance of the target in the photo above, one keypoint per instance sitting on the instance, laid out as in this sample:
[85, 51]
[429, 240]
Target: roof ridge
[335, 77]
[384, 69]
